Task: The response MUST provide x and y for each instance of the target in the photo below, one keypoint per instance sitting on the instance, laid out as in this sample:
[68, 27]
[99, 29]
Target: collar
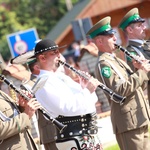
[44, 72]
[107, 55]
[137, 40]
[111, 54]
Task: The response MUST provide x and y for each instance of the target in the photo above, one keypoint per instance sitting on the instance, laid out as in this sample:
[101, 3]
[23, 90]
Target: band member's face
[137, 30]
[50, 58]
[106, 43]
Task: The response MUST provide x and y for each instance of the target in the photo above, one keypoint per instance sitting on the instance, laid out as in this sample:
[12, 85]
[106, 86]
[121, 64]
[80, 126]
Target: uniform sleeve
[16, 125]
[124, 88]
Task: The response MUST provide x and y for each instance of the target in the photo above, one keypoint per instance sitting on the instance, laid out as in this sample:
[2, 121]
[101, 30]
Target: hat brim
[108, 32]
[137, 20]
[62, 47]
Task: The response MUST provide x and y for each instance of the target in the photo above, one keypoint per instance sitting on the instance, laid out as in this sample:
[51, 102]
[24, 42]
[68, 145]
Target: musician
[129, 120]
[15, 122]
[134, 28]
[47, 129]
[69, 102]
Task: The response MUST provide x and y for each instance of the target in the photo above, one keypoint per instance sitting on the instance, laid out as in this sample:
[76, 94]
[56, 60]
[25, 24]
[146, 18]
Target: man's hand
[31, 107]
[22, 101]
[89, 82]
[144, 65]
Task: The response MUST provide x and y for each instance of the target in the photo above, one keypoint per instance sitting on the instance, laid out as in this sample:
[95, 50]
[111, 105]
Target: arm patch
[106, 72]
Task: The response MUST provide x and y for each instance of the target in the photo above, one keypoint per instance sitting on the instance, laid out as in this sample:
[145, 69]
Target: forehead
[137, 24]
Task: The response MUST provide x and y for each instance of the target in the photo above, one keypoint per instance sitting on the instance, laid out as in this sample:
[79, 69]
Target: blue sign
[23, 41]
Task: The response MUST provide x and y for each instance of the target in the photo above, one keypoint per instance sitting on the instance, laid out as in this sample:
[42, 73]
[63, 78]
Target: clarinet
[127, 53]
[113, 96]
[61, 127]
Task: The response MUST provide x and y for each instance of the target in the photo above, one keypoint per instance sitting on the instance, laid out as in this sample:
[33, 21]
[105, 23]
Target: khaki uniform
[14, 134]
[142, 50]
[134, 114]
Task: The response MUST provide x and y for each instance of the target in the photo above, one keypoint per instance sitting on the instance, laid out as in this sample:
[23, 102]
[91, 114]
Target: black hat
[102, 27]
[46, 45]
[131, 17]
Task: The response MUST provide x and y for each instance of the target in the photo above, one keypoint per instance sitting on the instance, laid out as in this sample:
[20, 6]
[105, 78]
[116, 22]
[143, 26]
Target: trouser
[137, 139]
[50, 146]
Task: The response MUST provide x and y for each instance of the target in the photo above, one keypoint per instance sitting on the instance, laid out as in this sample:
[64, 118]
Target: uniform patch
[106, 72]
[130, 59]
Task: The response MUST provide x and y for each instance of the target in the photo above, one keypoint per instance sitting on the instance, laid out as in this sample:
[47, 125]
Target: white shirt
[60, 95]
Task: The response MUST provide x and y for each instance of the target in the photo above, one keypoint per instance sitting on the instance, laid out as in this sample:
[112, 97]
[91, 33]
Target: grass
[113, 147]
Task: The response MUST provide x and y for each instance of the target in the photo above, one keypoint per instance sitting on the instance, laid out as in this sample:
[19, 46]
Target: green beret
[131, 17]
[102, 27]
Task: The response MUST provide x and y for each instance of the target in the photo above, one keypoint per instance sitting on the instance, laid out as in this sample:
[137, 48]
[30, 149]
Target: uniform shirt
[60, 95]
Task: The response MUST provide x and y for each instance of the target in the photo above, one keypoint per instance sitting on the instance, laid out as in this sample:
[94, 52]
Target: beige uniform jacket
[14, 134]
[134, 113]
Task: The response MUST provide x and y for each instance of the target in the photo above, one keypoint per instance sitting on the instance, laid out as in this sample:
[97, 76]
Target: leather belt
[78, 125]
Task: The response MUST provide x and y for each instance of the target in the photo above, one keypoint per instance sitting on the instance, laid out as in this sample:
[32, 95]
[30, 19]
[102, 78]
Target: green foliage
[17, 15]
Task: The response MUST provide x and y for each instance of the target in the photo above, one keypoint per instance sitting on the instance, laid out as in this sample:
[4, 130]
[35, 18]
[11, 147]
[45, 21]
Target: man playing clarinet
[71, 103]
[131, 119]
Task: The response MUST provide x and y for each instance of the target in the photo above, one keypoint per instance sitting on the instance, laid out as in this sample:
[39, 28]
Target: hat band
[130, 19]
[46, 49]
[99, 30]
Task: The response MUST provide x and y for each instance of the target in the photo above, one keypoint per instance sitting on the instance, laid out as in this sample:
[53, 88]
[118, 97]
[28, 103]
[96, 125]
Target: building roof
[95, 9]
[65, 22]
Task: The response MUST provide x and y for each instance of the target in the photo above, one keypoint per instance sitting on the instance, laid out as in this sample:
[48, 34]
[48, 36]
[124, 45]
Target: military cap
[102, 27]
[46, 45]
[131, 17]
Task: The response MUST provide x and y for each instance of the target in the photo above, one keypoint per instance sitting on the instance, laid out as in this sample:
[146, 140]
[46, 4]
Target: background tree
[17, 15]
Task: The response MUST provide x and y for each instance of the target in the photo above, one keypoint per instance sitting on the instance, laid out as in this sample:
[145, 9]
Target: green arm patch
[106, 72]
[130, 59]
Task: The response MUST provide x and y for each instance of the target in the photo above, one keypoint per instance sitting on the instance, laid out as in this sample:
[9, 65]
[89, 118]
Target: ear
[36, 67]
[98, 41]
[129, 29]
[42, 57]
